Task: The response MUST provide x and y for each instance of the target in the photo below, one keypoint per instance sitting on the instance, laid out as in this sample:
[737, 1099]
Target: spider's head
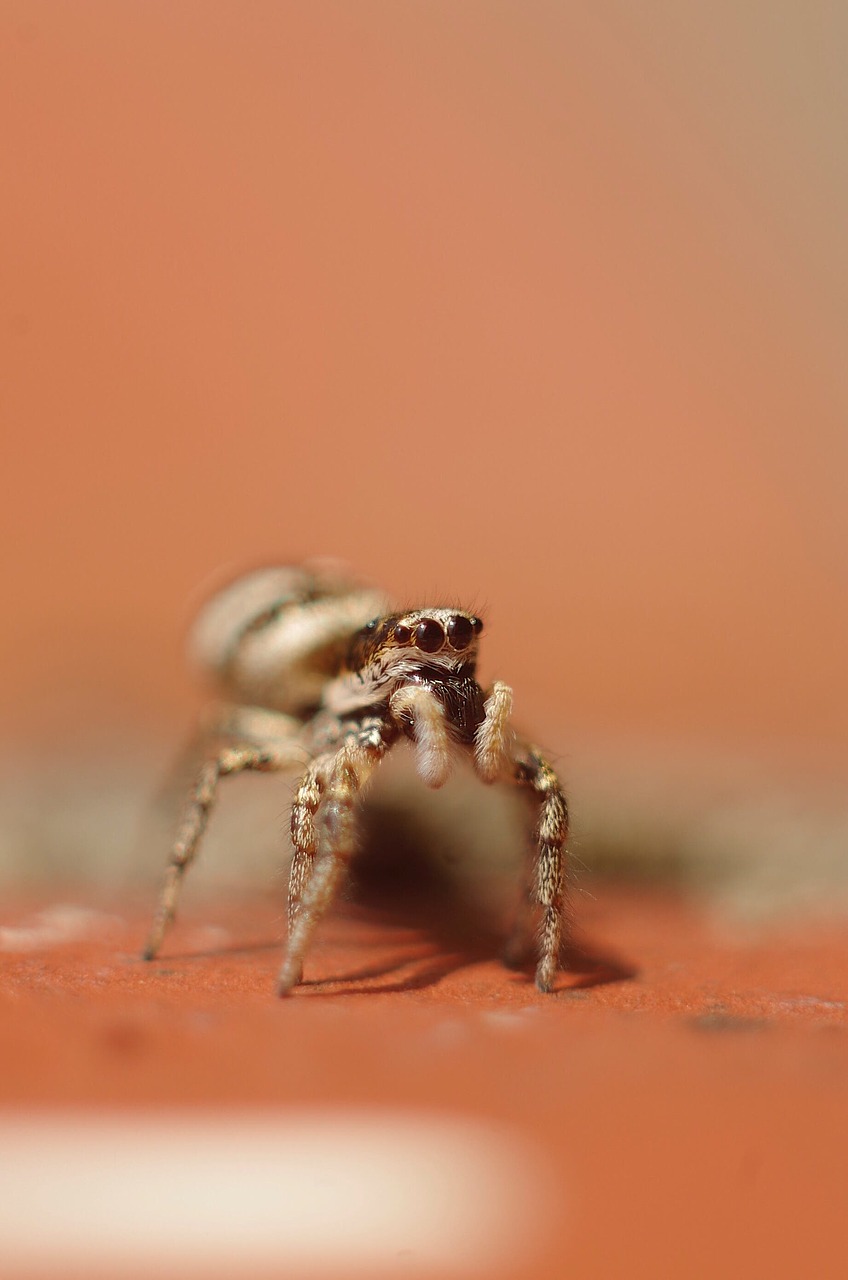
[398, 645]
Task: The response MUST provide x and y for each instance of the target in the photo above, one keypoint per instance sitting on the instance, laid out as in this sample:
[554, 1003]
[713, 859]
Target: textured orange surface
[689, 1088]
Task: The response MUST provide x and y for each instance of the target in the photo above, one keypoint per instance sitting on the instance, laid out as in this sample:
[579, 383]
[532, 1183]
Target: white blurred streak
[59, 923]
[330, 1192]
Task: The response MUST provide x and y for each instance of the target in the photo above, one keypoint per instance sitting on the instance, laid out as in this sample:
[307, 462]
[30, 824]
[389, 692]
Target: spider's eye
[403, 634]
[460, 632]
[370, 626]
[477, 624]
[429, 635]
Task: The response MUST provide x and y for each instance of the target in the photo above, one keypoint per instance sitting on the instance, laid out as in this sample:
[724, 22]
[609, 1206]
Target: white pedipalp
[432, 742]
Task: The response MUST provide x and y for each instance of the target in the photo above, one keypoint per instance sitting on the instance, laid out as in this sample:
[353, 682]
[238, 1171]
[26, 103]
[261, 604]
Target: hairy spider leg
[333, 785]
[498, 755]
[495, 739]
[303, 830]
[545, 878]
[223, 759]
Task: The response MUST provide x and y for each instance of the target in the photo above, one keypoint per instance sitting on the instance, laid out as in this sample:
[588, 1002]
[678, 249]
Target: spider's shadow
[587, 967]
[452, 939]
[398, 880]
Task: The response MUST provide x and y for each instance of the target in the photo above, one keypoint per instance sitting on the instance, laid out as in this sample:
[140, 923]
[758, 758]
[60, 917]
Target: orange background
[539, 306]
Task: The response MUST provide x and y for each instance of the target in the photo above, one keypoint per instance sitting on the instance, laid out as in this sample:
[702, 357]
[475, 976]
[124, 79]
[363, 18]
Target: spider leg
[498, 755]
[494, 739]
[304, 834]
[332, 784]
[546, 885]
[222, 758]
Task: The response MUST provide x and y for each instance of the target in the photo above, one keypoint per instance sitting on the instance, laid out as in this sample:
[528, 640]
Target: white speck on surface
[510, 1019]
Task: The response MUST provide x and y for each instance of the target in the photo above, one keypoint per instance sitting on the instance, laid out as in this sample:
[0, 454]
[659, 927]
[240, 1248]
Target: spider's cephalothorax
[313, 683]
[427, 649]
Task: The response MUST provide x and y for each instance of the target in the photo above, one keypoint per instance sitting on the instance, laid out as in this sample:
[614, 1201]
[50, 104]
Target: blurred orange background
[534, 305]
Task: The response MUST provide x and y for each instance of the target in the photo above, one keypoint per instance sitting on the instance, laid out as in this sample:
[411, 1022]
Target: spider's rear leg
[333, 784]
[222, 759]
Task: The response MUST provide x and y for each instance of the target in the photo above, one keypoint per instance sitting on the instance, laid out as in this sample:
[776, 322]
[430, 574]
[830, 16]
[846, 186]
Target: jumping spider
[315, 672]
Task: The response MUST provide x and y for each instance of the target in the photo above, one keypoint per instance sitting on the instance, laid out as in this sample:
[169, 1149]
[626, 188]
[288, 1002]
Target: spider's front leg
[495, 738]
[533, 771]
[498, 755]
[324, 809]
[324, 831]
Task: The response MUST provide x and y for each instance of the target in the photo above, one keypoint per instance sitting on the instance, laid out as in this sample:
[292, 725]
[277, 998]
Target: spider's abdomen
[274, 637]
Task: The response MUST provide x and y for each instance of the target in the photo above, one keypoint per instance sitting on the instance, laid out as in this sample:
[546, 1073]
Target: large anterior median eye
[429, 635]
[460, 631]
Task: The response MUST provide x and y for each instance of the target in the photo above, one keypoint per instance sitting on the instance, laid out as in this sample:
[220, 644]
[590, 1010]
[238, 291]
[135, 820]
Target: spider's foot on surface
[546, 972]
[291, 975]
[154, 943]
